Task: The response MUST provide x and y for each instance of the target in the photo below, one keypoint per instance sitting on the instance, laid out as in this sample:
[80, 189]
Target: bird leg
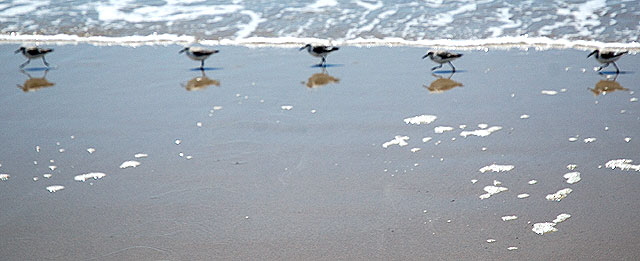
[617, 70]
[25, 63]
[454, 68]
[45, 61]
[436, 67]
[202, 65]
[324, 62]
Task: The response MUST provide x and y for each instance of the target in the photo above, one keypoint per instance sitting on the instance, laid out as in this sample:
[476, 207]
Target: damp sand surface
[251, 180]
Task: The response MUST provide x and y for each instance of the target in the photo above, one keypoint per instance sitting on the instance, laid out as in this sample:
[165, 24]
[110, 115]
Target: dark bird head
[184, 50]
[429, 54]
[305, 47]
[596, 52]
[20, 50]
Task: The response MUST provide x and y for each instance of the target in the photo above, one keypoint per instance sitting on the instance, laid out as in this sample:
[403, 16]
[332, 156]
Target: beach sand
[259, 166]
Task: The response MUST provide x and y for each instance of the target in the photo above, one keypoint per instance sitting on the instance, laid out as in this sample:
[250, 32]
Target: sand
[250, 163]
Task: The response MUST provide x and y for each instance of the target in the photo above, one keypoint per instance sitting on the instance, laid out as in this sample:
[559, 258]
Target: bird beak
[17, 51]
[592, 53]
[183, 50]
[425, 56]
[302, 48]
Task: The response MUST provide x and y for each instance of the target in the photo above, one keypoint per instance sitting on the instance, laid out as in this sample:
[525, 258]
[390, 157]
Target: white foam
[442, 129]
[559, 195]
[170, 11]
[481, 132]
[508, 218]
[544, 227]
[549, 92]
[246, 29]
[129, 164]
[561, 218]
[496, 168]
[4, 177]
[572, 177]
[523, 195]
[55, 188]
[397, 140]
[286, 107]
[420, 119]
[140, 155]
[623, 164]
[492, 190]
[548, 227]
[589, 140]
[507, 42]
[92, 175]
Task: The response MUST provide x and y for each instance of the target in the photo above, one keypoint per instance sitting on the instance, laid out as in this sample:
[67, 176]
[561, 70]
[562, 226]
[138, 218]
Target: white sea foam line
[288, 42]
[481, 132]
[171, 11]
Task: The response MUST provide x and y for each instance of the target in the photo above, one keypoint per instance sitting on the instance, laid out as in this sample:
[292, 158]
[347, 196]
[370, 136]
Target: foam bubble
[559, 195]
[496, 168]
[55, 188]
[129, 164]
[421, 119]
[92, 175]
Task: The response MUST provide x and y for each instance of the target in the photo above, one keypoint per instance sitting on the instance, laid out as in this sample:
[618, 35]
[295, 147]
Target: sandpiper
[442, 57]
[198, 54]
[607, 57]
[320, 51]
[33, 53]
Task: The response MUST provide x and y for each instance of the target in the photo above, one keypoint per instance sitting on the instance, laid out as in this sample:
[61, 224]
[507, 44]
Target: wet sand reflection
[606, 86]
[200, 83]
[33, 84]
[442, 84]
[321, 79]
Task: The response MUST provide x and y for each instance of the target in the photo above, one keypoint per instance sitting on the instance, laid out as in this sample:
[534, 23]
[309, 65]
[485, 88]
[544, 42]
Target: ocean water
[576, 23]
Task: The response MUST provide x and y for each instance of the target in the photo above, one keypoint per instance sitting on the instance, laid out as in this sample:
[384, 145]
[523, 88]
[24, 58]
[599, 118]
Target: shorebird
[607, 57]
[320, 51]
[198, 54]
[442, 57]
[33, 53]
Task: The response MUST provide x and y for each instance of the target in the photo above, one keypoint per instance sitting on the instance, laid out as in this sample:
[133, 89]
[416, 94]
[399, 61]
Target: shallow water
[341, 22]
[262, 166]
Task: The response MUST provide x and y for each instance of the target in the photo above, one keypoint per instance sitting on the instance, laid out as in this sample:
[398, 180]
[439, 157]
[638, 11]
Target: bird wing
[447, 55]
[324, 49]
[609, 55]
[204, 52]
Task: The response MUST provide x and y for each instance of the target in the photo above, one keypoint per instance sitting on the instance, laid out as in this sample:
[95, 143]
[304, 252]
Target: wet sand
[256, 165]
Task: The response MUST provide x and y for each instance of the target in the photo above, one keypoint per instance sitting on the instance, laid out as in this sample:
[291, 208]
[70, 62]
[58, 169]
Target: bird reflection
[607, 85]
[320, 79]
[33, 84]
[200, 82]
[442, 84]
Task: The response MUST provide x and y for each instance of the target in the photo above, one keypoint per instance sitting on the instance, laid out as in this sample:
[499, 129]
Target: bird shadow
[615, 73]
[38, 69]
[206, 69]
[449, 71]
[326, 65]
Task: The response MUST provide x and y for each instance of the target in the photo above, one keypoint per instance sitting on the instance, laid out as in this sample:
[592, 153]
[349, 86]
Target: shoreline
[499, 43]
